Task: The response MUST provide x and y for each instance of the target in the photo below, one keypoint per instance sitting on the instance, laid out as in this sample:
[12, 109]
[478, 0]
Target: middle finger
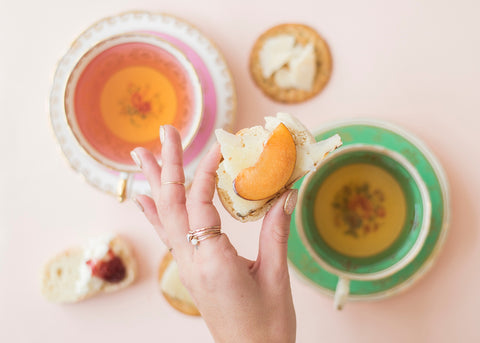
[170, 200]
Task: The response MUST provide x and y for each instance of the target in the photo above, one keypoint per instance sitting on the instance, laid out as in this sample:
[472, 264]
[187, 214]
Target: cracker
[303, 35]
[175, 303]
[302, 138]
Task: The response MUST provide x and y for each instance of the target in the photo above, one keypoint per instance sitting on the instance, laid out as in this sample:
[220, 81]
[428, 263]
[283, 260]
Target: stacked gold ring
[197, 235]
[173, 183]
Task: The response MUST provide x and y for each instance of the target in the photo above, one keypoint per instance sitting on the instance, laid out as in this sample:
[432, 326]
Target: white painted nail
[136, 159]
[136, 202]
[162, 134]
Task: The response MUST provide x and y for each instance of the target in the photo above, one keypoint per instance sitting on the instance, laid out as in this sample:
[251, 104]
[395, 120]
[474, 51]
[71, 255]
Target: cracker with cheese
[261, 163]
[290, 63]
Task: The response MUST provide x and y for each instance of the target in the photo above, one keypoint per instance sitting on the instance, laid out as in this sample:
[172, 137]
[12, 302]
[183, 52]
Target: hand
[240, 300]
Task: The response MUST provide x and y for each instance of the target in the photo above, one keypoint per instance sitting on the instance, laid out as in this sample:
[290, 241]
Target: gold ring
[173, 183]
[195, 236]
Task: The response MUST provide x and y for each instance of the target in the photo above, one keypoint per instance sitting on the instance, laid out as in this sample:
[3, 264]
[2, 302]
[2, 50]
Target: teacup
[123, 89]
[364, 214]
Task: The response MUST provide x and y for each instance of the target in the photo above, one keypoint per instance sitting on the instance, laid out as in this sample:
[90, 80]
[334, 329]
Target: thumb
[272, 255]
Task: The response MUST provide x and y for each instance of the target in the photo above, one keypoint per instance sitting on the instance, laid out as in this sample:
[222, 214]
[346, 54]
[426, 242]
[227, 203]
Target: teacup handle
[341, 292]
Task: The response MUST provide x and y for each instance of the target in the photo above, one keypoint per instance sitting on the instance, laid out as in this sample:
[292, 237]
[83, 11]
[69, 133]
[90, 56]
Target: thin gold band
[206, 228]
[195, 236]
[173, 183]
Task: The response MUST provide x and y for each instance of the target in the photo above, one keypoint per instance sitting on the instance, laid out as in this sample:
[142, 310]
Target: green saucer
[396, 139]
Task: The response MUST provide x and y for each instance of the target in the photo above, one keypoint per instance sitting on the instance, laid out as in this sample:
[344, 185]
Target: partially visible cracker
[175, 303]
[303, 35]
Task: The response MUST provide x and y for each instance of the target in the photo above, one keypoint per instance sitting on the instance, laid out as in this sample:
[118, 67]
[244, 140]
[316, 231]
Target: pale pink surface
[414, 63]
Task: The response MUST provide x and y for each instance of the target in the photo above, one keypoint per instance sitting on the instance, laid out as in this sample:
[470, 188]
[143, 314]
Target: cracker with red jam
[105, 264]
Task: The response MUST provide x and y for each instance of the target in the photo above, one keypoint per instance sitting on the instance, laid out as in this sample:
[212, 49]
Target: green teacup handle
[341, 292]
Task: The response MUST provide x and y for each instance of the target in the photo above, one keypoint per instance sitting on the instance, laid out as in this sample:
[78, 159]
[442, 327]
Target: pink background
[414, 63]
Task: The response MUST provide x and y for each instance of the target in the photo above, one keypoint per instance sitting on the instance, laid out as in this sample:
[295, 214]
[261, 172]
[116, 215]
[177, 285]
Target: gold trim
[122, 189]
[71, 87]
[212, 43]
[224, 62]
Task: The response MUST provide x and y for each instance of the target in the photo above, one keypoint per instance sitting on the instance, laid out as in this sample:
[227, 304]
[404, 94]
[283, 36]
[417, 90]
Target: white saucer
[127, 185]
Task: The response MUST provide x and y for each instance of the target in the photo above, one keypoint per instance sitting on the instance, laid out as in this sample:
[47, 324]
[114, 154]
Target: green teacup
[364, 214]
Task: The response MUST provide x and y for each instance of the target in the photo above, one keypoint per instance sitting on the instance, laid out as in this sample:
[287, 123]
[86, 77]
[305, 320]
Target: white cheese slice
[309, 156]
[275, 53]
[172, 285]
[239, 152]
[300, 133]
[242, 151]
[301, 70]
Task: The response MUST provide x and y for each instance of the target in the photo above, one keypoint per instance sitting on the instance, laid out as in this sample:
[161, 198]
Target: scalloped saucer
[219, 96]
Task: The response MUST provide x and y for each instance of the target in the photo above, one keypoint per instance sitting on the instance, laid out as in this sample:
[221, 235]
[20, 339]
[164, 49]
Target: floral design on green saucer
[396, 139]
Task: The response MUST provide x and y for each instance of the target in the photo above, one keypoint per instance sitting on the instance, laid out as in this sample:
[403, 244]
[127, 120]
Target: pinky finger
[147, 205]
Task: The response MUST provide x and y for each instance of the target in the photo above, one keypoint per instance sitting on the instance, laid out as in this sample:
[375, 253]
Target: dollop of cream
[95, 250]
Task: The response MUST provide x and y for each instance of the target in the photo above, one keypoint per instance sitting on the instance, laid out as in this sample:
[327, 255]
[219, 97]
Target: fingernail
[290, 202]
[162, 134]
[136, 159]
[136, 202]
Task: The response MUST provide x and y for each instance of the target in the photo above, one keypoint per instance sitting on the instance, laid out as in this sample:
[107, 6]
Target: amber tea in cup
[363, 215]
[360, 209]
[123, 90]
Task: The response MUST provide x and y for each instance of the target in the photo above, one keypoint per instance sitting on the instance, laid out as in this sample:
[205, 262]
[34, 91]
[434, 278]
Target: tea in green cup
[363, 215]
